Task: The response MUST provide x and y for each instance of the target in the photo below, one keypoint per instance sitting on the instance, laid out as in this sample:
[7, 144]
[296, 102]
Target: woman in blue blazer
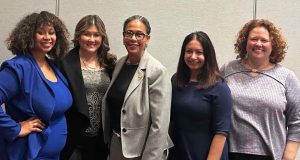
[35, 93]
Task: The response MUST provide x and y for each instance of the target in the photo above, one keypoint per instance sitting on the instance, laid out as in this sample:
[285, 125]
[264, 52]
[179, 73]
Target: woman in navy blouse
[35, 93]
[201, 103]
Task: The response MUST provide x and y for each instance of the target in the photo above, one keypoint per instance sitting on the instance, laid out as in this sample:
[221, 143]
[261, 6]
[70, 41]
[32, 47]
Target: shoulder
[121, 59]
[20, 66]
[72, 54]
[222, 86]
[219, 87]
[283, 74]
[153, 64]
[221, 93]
[18, 63]
[69, 61]
[281, 70]
[229, 67]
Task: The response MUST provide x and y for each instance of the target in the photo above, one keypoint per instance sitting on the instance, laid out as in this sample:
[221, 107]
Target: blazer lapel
[138, 76]
[136, 80]
[72, 69]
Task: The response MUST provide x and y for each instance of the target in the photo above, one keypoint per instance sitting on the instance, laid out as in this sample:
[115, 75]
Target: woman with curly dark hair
[35, 92]
[266, 109]
[88, 68]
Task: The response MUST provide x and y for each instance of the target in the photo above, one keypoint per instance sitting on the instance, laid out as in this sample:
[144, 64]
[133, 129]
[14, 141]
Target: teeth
[46, 44]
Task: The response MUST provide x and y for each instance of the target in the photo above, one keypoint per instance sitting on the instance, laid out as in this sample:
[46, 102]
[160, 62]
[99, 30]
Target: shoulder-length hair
[279, 45]
[21, 39]
[209, 74]
[104, 57]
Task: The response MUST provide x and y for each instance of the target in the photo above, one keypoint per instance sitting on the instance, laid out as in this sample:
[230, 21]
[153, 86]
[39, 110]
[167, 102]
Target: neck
[133, 60]
[87, 56]
[39, 58]
[258, 66]
[89, 60]
[194, 76]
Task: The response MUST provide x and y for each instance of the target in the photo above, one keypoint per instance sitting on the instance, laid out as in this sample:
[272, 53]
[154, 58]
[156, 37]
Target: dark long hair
[105, 58]
[209, 74]
[21, 39]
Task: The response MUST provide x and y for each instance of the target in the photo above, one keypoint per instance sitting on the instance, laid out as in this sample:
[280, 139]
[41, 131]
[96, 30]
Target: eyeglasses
[138, 35]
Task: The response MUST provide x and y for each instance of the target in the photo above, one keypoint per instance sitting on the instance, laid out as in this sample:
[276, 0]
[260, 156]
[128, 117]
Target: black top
[116, 94]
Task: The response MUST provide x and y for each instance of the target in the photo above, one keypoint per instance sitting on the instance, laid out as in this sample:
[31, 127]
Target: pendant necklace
[88, 67]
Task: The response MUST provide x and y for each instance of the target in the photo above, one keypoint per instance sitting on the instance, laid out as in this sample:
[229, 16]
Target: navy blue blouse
[196, 116]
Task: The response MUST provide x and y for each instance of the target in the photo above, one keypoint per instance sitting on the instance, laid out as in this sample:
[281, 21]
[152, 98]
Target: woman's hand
[31, 125]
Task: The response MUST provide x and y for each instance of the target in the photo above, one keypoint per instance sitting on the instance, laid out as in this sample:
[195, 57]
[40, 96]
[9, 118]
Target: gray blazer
[145, 112]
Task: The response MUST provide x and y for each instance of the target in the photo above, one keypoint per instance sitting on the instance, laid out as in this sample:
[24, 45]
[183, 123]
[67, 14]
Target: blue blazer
[24, 90]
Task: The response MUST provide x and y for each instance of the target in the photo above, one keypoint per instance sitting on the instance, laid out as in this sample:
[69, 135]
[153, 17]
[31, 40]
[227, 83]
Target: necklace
[259, 68]
[88, 67]
[254, 71]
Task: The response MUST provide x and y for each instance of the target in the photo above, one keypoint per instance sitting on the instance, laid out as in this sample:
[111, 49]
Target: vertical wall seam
[254, 8]
[57, 8]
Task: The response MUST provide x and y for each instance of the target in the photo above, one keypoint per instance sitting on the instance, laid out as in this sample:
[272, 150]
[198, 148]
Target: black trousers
[90, 148]
[243, 156]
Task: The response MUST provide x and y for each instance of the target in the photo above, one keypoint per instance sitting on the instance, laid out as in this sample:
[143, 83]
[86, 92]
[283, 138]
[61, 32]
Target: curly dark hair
[21, 39]
[105, 58]
[279, 44]
[209, 74]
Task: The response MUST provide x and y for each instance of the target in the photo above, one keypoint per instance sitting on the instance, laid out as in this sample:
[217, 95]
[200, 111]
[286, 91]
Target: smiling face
[194, 56]
[90, 40]
[259, 45]
[135, 47]
[44, 39]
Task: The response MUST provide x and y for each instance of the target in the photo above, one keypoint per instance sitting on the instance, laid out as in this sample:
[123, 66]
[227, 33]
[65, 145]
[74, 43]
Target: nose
[92, 38]
[259, 43]
[47, 36]
[194, 55]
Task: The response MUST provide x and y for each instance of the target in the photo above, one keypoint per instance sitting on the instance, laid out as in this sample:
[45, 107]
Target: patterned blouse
[96, 84]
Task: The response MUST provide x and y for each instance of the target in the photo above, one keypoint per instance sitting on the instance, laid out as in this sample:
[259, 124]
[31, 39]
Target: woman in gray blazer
[136, 107]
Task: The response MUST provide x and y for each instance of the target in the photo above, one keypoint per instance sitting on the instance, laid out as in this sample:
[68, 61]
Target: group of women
[85, 105]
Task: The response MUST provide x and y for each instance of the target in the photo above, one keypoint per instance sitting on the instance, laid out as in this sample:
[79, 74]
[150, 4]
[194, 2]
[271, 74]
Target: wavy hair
[279, 44]
[105, 58]
[21, 39]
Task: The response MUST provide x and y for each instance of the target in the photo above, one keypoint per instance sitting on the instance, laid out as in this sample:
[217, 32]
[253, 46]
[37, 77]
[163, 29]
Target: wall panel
[285, 15]
[170, 20]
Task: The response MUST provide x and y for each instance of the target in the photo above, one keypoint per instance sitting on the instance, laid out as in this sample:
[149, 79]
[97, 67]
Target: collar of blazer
[138, 76]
